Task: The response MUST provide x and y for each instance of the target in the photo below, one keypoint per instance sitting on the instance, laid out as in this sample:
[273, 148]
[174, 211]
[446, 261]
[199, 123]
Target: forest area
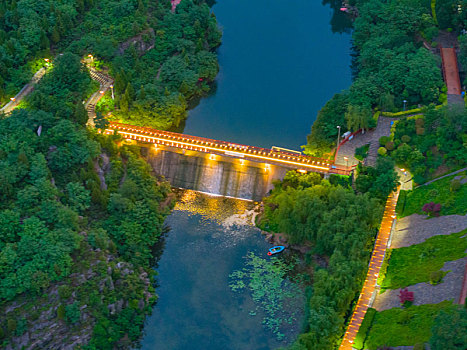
[80, 213]
[393, 61]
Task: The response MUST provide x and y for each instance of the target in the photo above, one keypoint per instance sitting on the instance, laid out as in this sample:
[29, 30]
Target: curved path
[369, 286]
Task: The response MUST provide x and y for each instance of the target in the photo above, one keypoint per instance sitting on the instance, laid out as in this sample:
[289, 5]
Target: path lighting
[12, 98]
[101, 92]
[112, 89]
[338, 135]
[405, 101]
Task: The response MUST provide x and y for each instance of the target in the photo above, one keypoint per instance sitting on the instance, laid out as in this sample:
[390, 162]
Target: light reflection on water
[209, 238]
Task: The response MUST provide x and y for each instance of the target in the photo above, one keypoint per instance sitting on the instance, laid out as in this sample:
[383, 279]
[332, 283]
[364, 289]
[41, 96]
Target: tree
[357, 117]
[450, 330]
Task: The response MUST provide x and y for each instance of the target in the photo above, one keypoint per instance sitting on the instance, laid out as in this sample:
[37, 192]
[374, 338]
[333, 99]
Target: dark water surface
[197, 309]
[279, 64]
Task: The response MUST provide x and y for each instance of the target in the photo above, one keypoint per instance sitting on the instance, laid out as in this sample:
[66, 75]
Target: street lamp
[112, 89]
[338, 136]
[405, 101]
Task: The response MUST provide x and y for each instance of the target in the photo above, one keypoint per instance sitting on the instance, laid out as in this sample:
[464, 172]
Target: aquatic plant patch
[277, 296]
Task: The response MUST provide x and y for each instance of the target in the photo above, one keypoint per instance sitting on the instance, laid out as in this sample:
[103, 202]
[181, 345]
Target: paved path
[105, 82]
[376, 261]
[10, 106]
[348, 148]
[451, 71]
[382, 129]
[425, 293]
[415, 228]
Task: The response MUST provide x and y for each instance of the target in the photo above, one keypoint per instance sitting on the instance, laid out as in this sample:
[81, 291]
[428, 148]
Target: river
[279, 64]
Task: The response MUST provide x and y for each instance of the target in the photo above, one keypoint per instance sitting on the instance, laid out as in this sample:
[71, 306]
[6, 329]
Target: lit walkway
[224, 148]
[375, 265]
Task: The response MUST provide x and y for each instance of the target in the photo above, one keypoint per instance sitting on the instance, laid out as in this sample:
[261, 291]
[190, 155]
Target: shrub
[406, 138]
[383, 140]
[419, 346]
[382, 151]
[64, 292]
[72, 313]
[11, 325]
[455, 185]
[61, 312]
[436, 277]
[434, 44]
[389, 146]
[432, 209]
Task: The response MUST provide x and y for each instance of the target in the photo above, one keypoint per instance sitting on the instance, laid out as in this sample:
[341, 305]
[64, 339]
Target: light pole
[112, 89]
[405, 101]
[338, 136]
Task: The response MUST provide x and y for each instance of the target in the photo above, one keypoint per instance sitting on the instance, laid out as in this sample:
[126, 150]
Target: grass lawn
[414, 264]
[398, 327]
[411, 202]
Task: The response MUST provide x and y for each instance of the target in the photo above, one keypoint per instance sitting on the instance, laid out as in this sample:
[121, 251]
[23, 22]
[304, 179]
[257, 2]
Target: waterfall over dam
[214, 174]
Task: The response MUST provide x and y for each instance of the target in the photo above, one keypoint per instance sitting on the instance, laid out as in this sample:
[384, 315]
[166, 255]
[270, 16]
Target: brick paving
[376, 261]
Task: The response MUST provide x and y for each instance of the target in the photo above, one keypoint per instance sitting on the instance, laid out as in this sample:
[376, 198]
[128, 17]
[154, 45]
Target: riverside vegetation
[80, 212]
[79, 216]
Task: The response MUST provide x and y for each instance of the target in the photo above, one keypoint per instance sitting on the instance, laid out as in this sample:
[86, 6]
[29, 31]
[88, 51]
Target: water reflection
[209, 240]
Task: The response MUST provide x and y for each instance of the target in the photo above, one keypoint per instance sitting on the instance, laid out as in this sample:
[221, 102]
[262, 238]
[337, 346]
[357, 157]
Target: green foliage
[64, 292]
[402, 327]
[439, 191]
[436, 277]
[416, 263]
[267, 281]
[324, 130]
[450, 330]
[61, 312]
[382, 151]
[434, 141]
[362, 152]
[383, 140]
[338, 224]
[378, 181]
[72, 313]
[364, 328]
[389, 66]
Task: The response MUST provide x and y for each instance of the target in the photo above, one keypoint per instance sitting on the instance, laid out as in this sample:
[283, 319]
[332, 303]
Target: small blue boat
[276, 249]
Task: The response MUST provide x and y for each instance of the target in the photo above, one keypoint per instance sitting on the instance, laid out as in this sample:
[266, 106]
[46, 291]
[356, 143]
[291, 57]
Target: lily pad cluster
[277, 296]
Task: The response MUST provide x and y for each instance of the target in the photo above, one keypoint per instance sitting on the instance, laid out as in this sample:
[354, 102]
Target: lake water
[279, 63]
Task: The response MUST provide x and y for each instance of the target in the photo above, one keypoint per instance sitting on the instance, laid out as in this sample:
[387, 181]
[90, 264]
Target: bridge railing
[206, 145]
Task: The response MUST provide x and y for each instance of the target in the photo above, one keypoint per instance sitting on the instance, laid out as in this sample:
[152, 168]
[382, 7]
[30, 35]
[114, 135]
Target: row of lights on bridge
[230, 147]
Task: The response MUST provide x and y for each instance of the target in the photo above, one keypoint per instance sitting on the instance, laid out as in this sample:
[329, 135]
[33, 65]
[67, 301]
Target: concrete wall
[215, 174]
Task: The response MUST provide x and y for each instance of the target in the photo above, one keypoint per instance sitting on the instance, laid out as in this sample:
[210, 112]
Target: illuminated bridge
[275, 156]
